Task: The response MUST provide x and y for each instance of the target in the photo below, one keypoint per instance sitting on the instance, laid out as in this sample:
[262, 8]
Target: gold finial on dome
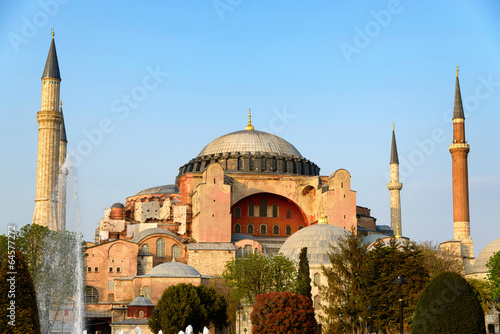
[249, 127]
[142, 292]
[398, 235]
[53, 32]
[323, 219]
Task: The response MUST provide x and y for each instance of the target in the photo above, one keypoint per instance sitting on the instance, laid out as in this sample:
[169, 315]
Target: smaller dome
[117, 205]
[484, 256]
[141, 301]
[241, 236]
[173, 269]
[317, 239]
[166, 189]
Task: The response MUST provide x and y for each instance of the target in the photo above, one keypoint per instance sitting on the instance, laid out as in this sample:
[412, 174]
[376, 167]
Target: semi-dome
[166, 189]
[250, 141]
[173, 269]
[317, 239]
[484, 256]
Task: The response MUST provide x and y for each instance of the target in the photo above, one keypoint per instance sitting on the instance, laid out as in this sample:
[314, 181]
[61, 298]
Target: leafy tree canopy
[282, 312]
[183, 304]
[254, 274]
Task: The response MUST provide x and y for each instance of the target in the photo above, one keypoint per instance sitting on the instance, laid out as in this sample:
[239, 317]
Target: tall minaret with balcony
[395, 187]
[63, 175]
[49, 136]
[459, 150]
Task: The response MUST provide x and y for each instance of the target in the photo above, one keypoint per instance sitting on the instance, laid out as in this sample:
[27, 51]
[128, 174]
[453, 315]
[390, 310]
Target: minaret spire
[63, 176]
[49, 137]
[395, 187]
[459, 150]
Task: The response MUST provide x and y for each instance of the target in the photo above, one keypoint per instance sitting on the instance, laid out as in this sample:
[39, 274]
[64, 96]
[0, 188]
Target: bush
[282, 312]
[448, 305]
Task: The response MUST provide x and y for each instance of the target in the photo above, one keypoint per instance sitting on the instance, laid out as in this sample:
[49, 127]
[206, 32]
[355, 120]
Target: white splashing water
[73, 223]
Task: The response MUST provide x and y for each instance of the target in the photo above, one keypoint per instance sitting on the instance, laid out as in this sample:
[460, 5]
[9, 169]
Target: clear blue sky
[343, 71]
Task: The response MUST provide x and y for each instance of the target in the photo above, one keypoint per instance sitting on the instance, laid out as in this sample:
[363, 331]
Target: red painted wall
[284, 204]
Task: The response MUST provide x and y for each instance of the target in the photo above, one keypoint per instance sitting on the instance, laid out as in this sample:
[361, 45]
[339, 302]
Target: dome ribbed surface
[484, 256]
[173, 269]
[317, 239]
[141, 301]
[166, 189]
[250, 141]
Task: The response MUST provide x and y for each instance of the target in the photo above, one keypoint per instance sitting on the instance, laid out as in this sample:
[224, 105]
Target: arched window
[317, 302]
[301, 227]
[91, 295]
[294, 167]
[160, 248]
[317, 278]
[276, 230]
[263, 229]
[145, 249]
[263, 163]
[237, 212]
[251, 210]
[285, 166]
[288, 230]
[176, 252]
[289, 214]
[239, 252]
[237, 228]
[198, 166]
[240, 163]
[250, 228]
[263, 208]
[111, 285]
[252, 163]
[275, 210]
[248, 249]
[274, 165]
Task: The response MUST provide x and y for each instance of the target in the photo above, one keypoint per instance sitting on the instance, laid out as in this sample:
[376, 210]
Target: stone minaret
[459, 150]
[395, 187]
[49, 136]
[63, 174]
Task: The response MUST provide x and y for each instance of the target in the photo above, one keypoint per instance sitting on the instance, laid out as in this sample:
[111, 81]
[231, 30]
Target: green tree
[482, 290]
[51, 259]
[384, 263]
[448, 305]
[282, 312]
[493, 275]
[254, 274]
[303, 276]
[18, 307]
[344, 311]
[183, 304]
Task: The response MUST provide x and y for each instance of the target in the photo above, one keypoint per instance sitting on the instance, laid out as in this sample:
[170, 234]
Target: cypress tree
[19, 310]
[303, 275]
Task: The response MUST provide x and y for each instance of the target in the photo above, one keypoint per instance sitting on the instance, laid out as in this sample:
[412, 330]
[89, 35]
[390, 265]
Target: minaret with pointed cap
[63, 174]
[49, 136]
[459, 150]
[395, 187]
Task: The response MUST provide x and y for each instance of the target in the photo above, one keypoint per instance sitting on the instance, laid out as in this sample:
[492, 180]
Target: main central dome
[250, 141]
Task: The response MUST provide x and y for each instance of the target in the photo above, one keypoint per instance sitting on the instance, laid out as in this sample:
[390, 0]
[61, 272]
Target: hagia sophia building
[244, 191]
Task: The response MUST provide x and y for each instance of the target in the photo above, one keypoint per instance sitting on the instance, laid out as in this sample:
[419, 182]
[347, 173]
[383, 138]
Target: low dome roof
[117, 205]
[317, 239]
[141, 301]
[166, 189]
[173, 269]
[250, 141]
[484, 256]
